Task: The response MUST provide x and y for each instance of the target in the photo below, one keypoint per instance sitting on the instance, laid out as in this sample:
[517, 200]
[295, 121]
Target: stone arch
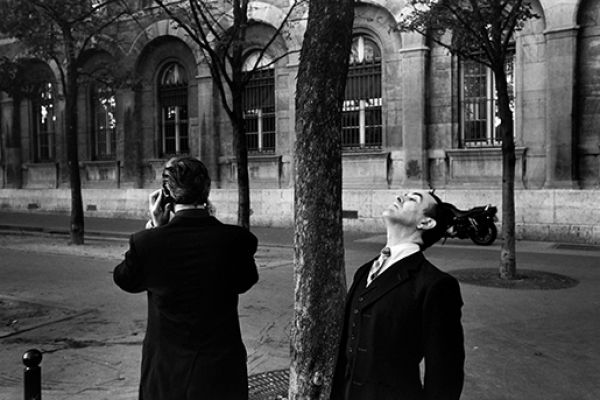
[259, 33]
[372, 17]
[268, 14]
[162, 28]
[38, 71]
[374, 20]
[152, 58]
[560, 14]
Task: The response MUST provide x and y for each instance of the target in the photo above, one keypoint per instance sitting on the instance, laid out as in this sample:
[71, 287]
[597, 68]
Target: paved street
[520, 344]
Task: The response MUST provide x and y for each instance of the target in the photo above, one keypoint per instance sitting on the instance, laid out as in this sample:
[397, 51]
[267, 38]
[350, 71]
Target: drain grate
[270, 385]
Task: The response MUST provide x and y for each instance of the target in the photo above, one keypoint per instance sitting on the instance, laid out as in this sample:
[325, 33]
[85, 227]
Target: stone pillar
[208, 127]
[413, 115]
[129, 145]
[560, 60]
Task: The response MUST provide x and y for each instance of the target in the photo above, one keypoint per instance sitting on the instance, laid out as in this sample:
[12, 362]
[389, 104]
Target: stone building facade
[414, 117]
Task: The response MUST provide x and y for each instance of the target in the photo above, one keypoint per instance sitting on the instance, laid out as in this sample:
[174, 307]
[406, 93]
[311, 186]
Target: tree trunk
[320, 284]
[241, 156]
[508, 266]
[240, 147]
[76, 228]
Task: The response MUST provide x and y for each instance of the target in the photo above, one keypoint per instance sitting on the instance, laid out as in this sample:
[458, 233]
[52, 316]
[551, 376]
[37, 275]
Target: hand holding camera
[160, 205]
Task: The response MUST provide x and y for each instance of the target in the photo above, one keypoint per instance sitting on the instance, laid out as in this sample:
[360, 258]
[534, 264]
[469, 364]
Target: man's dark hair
[442, 215]
[187, 179]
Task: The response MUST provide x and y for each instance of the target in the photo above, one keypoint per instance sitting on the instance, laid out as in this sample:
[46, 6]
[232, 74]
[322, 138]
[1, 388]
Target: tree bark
[243, 180]
[240, 147]
[508, 263]
[77, 226]
[320, 284]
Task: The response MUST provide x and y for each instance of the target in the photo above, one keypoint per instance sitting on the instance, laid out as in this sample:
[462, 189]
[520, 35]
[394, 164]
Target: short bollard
[32, 374]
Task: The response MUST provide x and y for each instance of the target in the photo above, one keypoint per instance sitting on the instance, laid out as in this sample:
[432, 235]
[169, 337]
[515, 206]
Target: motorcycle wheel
[485, 234]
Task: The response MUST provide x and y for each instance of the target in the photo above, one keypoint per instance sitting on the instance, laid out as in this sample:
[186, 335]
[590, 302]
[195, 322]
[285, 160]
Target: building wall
[556, 113]
[561, 215]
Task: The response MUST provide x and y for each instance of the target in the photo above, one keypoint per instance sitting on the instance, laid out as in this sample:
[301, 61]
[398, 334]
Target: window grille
[173, 106]
[479, 103]
[44, 124]
[104, 124]
[259, 105]
[361, 110]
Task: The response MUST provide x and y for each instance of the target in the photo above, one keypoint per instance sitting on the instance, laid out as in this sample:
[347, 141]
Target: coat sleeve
[129, 274]
[245, 273]
[443, 341]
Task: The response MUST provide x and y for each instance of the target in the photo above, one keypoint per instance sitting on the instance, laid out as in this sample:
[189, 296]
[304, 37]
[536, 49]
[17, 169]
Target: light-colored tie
[378, 264]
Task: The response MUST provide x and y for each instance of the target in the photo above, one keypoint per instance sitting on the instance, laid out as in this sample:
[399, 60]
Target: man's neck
[398, 234]
[179, 207]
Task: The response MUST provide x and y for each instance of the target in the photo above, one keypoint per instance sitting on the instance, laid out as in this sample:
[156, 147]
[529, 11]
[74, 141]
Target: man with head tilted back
[402, 312]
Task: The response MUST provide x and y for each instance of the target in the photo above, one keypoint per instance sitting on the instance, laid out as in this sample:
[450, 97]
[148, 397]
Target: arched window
[479, 113]
[104, 124]
[44, 123]
[259, 104]
[361, 118]
[173, 108]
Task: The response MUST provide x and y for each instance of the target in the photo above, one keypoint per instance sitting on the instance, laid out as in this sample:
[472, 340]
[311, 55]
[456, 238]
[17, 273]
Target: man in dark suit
[193, 268]
[400, 311]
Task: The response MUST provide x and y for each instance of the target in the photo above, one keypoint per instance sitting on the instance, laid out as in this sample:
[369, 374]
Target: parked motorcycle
[476, 223]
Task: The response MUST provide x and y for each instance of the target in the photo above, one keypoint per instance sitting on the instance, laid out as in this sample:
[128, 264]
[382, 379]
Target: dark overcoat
[193, 269]
[411, 312]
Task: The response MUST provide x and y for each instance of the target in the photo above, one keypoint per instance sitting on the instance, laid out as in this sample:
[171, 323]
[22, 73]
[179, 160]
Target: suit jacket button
[356, 311]
[361, 298]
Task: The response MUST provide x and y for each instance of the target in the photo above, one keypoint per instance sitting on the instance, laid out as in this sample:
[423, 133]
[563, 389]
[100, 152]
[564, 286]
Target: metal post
[32, 374]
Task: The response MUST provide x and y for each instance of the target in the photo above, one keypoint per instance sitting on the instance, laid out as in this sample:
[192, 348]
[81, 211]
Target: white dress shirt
[397, 253]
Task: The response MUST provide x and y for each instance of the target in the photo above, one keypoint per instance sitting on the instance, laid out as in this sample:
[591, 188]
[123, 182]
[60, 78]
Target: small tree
[219, 29]
[482, 31]
[62, 30]
[319, 247]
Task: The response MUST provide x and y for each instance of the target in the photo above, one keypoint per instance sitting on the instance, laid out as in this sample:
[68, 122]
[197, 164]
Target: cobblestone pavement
[520, 344]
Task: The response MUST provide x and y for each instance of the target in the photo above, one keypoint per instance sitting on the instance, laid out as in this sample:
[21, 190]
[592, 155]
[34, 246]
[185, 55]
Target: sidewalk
[113, 227]
[520, 344]
[121, 228]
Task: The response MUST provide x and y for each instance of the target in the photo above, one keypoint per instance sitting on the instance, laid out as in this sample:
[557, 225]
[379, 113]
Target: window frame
[260, 140]
[44, 138]
[109, 131]
[369, 108]
[491, 99]
[173, 99]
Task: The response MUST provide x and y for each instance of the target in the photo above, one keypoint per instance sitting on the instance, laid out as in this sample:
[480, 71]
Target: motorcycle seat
[468, 213]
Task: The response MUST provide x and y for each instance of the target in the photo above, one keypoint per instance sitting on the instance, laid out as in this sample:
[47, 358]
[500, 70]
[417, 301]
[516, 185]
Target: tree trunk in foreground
[320, 284]
[508, 264]
[76, 228]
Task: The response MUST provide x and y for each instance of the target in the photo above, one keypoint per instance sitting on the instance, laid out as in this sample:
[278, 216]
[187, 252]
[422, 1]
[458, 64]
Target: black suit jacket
[193, 269]
[411, 312]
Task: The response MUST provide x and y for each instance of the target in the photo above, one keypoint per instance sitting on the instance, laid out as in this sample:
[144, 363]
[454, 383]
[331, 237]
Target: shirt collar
[400, 251]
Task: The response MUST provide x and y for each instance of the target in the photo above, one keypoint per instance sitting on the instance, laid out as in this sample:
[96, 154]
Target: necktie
[376, 267]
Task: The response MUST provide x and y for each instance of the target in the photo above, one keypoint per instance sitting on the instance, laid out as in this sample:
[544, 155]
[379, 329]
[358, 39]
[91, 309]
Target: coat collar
[192, 216]
[398, 273]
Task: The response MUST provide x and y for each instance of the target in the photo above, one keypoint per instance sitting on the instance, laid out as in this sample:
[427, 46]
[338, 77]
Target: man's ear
[426, 224]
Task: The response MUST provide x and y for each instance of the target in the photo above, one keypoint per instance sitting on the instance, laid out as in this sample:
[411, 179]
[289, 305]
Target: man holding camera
[193, 268]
